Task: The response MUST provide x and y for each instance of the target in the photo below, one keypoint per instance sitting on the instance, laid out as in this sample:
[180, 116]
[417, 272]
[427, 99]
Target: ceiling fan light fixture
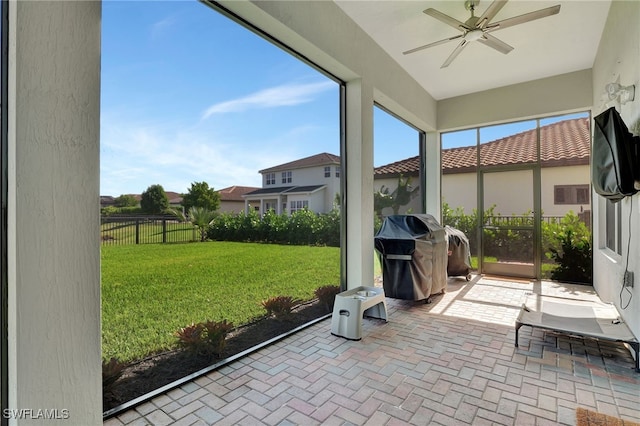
[474, 35]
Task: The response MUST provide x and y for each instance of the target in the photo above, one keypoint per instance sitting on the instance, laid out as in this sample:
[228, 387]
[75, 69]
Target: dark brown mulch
[151, 373]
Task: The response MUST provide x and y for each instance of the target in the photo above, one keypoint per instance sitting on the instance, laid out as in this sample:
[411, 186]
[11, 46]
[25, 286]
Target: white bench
[583, 318]
[351, 305]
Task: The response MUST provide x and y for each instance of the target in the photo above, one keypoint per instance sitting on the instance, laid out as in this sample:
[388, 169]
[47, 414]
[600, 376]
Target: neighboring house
[565, 173]
[231, 198]
[175, 199]
[107, 201]
[310, 182]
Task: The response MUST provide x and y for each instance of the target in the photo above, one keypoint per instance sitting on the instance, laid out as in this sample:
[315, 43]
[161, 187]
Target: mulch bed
[153, 372]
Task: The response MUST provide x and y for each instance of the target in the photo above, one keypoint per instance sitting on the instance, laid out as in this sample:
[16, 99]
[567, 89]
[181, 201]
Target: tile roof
[565, 143]
[276, 190]
[315, 160]
[235, 192]
[304, 189]
[174, 197]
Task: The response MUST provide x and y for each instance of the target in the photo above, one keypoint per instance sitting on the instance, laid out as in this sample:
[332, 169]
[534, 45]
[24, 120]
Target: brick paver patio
[451, 362]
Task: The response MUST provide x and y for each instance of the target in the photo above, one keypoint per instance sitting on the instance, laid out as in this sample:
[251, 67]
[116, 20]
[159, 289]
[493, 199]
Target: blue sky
[188, 95]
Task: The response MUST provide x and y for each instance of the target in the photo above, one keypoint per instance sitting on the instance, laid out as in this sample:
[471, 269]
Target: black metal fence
[145, 230]
[527, 220]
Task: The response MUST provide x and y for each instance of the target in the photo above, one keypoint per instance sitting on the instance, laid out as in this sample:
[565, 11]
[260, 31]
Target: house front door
[508, 231]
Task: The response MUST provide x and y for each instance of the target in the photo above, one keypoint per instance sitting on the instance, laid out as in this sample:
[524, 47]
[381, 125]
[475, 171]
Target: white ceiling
[553, 45]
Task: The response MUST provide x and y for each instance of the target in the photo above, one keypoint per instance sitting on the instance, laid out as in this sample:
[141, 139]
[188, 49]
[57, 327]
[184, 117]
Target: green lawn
[149, 291]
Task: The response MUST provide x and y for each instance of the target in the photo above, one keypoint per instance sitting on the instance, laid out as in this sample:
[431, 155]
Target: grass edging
[166, 388]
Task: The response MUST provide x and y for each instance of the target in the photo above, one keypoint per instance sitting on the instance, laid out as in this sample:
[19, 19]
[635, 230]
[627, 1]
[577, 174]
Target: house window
[571, 194]
[327, 171]
[613, 233]
[299, 205]
[270, 178]
[337, 171]
[286, 177]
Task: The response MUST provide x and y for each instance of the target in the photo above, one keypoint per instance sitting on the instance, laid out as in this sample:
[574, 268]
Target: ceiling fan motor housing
[471, 4]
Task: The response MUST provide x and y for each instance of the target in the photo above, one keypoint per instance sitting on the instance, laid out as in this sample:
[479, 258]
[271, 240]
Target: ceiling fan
[479, 28]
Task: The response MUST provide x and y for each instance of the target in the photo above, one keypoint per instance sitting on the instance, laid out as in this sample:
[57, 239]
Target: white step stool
[351, 305]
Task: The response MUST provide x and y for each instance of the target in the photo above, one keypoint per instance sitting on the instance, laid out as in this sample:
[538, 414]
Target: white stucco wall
[551, 176]
[54, 249]
[231, 207]
[304, 176]
[619, 57]
[553, 95]
[459, 190]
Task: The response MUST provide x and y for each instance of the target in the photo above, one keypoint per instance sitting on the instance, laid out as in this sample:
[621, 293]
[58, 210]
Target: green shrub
[303, 227]
[216, 335]
[552, 231]
[280, 306]
[327, 295]
[129, 211]
[204, 338]
[191, 337]
[574, 259]
[111, 371]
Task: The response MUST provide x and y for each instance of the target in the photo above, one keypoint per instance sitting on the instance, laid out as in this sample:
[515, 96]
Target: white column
[359, 175]
[433, 175]
[54, 225]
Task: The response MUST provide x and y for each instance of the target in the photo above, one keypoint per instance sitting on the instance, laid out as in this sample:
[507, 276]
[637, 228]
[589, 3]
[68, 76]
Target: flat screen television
[615, 169]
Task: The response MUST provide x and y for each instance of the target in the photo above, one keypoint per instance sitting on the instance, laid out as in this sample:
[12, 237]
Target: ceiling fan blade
[490, 13]
[499, 45]
[521, 19]
[435, 43]
[446, 19]
[455, 53]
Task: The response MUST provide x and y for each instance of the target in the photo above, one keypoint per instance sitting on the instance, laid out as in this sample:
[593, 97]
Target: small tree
[200, 195]
[401, 196]
[154, 200]
[126, 200]
[201, 218]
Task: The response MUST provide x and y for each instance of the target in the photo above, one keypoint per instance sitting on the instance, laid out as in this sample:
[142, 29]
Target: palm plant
[201, 218]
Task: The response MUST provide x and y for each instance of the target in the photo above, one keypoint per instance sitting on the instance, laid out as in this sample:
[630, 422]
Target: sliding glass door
[508, 231]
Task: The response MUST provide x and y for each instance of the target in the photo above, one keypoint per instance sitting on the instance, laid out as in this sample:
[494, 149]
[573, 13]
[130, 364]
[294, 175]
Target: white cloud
[285, 95]
[134, 157]
[160, 27]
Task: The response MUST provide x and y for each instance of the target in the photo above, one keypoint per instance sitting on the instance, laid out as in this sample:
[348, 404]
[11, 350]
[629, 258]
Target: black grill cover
[614, 162]
[459, 263]
[413, 250]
